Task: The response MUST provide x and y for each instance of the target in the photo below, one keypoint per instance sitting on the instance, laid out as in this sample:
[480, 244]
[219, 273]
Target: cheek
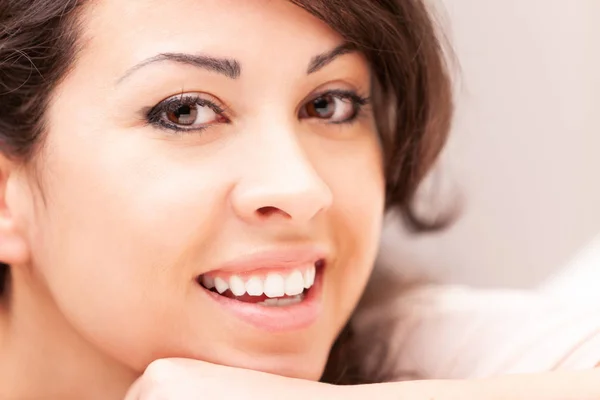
[115, 238]
[358, 186]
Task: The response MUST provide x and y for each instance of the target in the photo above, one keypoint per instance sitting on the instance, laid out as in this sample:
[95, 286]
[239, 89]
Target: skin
[115, 218]
[185, 379]
[109, 226]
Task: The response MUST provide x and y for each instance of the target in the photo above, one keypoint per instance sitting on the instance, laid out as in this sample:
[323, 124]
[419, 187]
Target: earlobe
[13, 246]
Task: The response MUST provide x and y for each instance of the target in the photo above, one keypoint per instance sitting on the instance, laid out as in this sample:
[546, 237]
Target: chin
[305, 366]
[299, 370]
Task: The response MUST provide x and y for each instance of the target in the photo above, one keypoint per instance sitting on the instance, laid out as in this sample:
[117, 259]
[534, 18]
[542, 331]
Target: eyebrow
[224, 66]
[231, 68]
[320, 61]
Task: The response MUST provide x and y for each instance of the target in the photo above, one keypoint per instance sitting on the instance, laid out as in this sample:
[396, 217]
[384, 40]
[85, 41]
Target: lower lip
[276, 319]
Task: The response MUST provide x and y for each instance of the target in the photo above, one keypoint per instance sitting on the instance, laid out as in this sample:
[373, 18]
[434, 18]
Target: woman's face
[217, 141]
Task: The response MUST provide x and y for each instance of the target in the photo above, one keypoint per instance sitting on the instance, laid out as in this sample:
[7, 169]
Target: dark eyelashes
[346, 95]
[359, 103]
[174, 103]
[155, 115]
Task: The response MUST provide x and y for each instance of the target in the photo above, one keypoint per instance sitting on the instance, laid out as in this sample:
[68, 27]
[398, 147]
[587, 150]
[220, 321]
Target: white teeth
[208, 282]
[254, 287]
[221, 285]
[289, 301]
[294, 284]
[236, 284]
[282, 302]
[270, 302]
[274, 285]
[309, 277]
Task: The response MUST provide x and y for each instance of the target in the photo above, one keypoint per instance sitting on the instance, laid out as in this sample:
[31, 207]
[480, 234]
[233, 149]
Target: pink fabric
[454, 332]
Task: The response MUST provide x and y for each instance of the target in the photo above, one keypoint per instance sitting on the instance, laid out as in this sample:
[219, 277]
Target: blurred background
[524, 149]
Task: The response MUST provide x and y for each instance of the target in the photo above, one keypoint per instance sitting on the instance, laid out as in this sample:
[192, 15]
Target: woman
[205, 180]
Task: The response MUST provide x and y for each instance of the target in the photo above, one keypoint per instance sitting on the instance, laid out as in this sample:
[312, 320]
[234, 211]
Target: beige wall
[525, 145]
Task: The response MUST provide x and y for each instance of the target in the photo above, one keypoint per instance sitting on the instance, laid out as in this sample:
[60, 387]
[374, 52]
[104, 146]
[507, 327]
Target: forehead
[122, 33]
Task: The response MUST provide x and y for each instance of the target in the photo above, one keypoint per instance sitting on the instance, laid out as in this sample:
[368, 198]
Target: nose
[280, 183]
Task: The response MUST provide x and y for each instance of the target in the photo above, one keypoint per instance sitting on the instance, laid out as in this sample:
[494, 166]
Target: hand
[183, 379]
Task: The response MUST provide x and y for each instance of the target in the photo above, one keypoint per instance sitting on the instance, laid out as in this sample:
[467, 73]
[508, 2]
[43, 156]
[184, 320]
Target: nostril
[268, 211]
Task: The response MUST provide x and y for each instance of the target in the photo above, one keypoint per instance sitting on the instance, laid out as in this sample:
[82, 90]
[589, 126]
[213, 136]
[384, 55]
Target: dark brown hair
[413, 99]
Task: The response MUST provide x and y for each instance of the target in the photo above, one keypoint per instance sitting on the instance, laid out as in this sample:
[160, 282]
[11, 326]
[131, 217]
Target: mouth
[280, 290]
[284, 287]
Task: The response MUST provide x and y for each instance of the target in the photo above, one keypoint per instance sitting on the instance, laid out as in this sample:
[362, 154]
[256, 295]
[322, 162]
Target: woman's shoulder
[446, 331]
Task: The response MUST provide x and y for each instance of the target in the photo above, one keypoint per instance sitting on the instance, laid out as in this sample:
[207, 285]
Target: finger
[186, 367]
[135, 391]
[157, 373]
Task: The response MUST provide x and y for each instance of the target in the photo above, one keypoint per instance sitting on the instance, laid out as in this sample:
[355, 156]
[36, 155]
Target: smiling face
[196, 140]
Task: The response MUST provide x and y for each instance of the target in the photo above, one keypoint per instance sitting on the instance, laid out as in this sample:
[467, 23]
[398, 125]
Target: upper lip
[276, 258]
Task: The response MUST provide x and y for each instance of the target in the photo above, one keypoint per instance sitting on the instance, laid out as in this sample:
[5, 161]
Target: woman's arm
[195, 380]
[580, 385]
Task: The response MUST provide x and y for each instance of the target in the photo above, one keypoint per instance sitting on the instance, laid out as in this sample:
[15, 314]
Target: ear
[13, 245]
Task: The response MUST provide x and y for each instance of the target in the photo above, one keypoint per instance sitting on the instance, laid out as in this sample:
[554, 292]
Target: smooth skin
[108, 227]
[195, 380]
[120, 212]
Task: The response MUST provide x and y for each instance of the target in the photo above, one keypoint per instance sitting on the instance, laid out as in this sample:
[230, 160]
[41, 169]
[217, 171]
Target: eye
[186, 113]
[190, 115]
[334, 106]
